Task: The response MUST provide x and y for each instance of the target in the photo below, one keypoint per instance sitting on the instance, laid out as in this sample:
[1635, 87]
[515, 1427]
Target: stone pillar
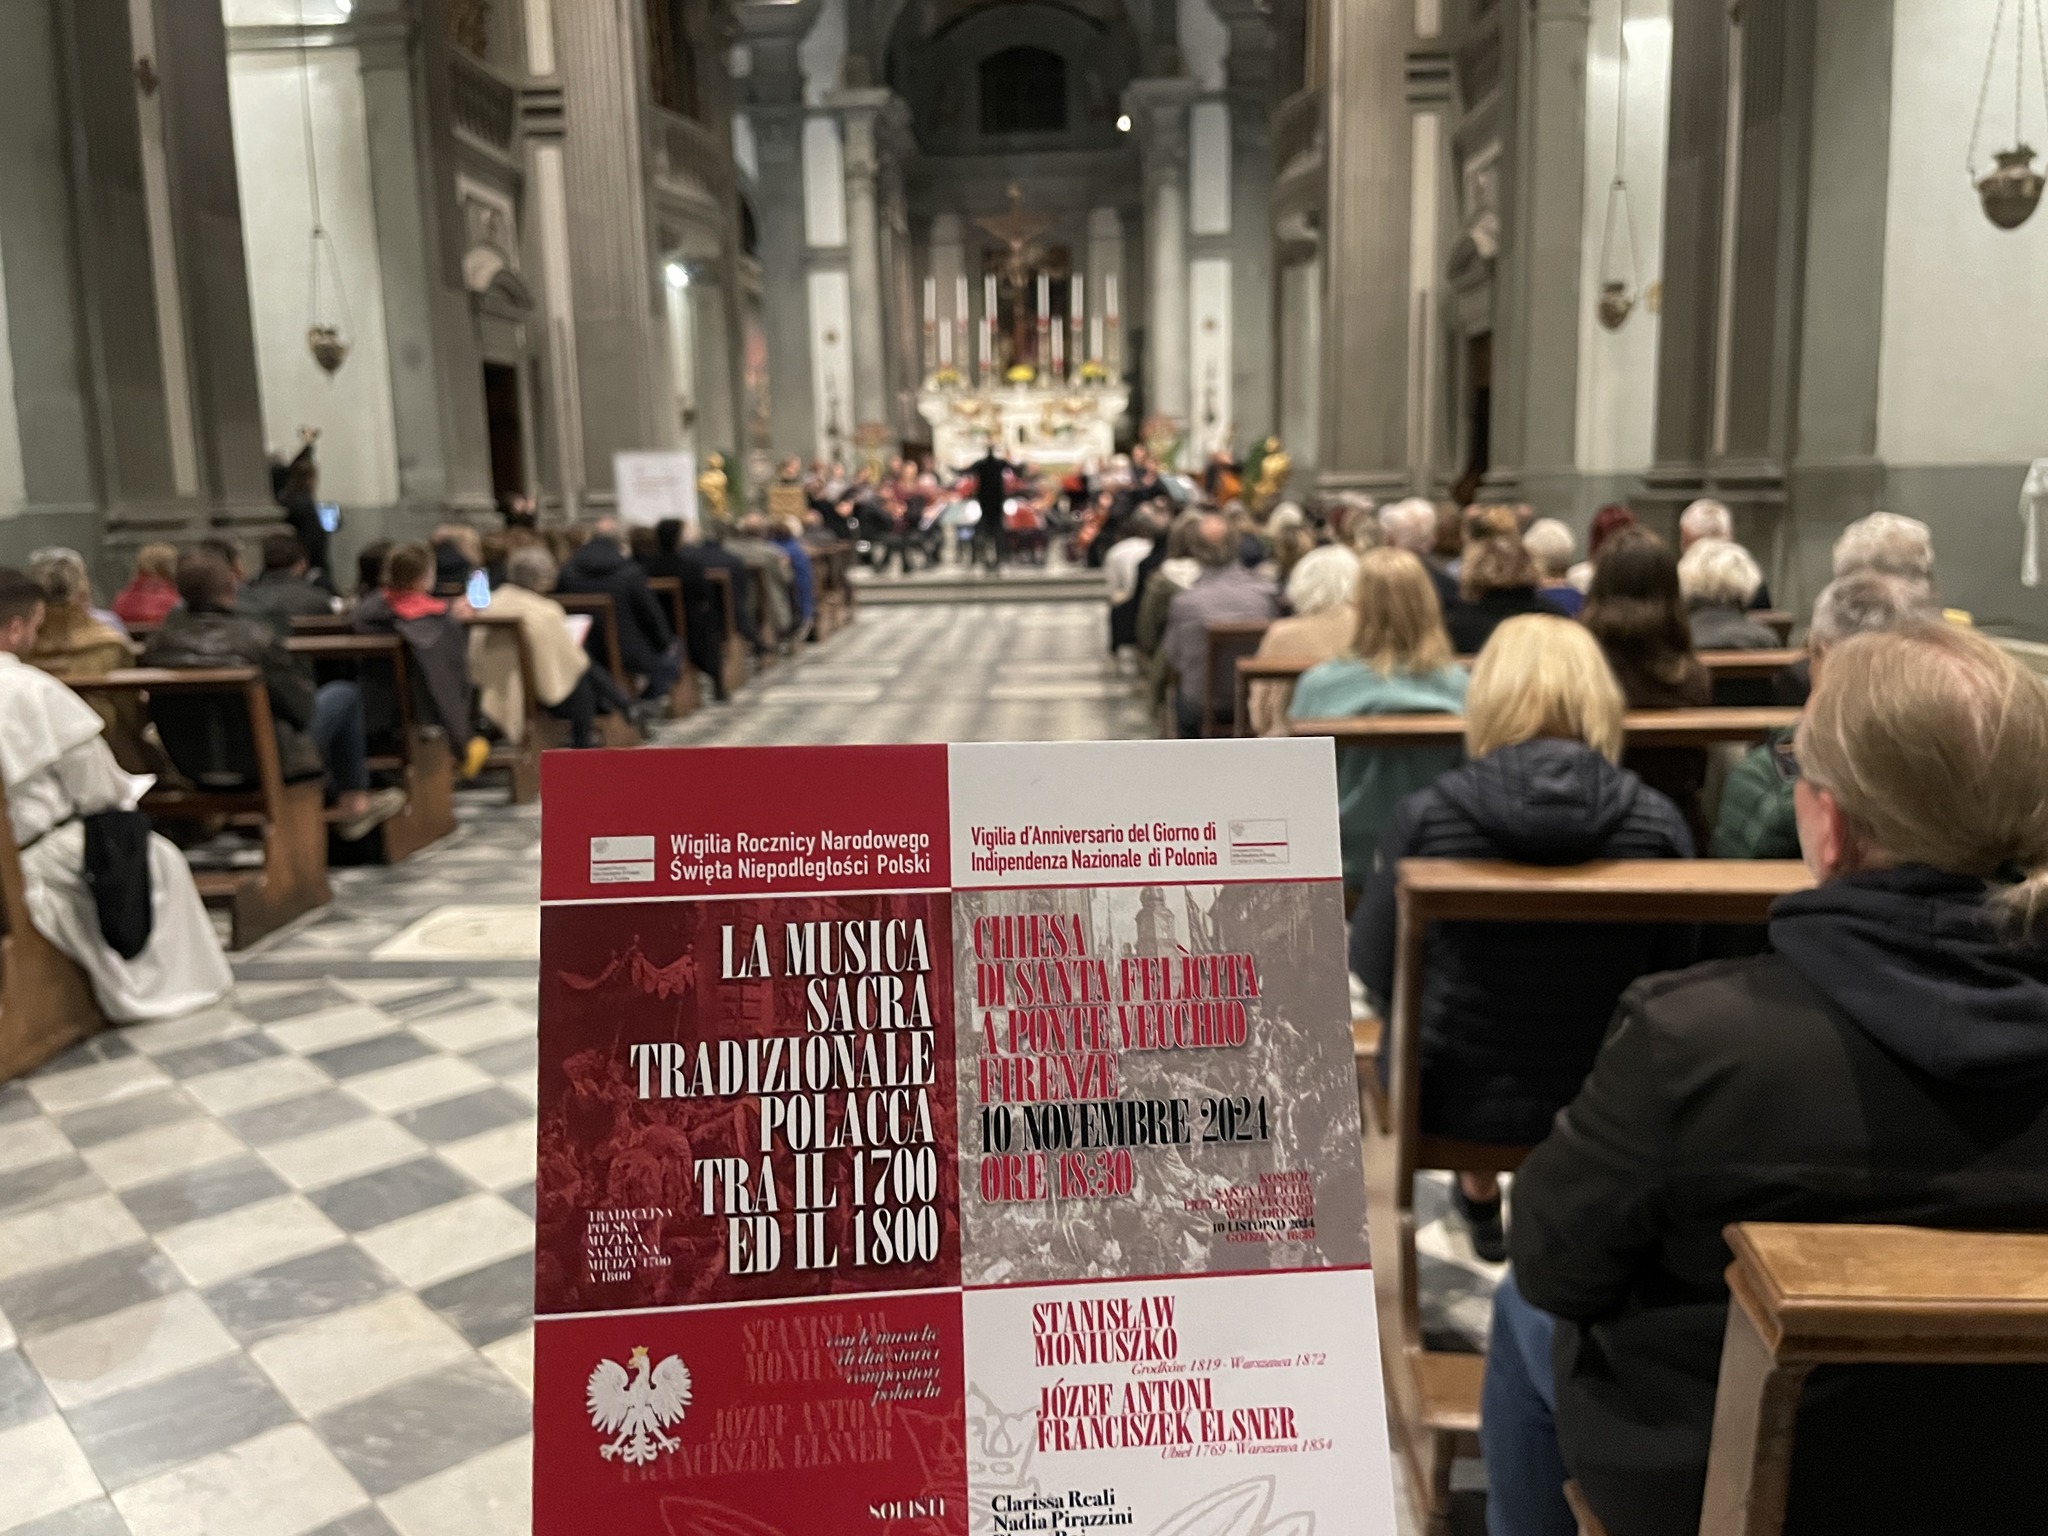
[1543, 191]
[614, 275]
[1159, 109]
[860, 114]
[1252, 66]
[1364, 437]
[774, 108]
[443, 439]
[1106, 260]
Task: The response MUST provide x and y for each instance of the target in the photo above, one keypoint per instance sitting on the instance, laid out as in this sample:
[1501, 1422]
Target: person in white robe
[57, 769]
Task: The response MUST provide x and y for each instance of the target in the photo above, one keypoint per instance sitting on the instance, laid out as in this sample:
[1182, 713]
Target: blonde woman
[1321, 594]
[1887, 1062]
[1398, 662]
[1513, 1013]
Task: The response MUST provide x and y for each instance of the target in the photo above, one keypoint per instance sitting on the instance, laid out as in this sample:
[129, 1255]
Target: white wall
[831, 297]
[358, 436]
[1209, 356]
[1963, 376]
[824, 182]
[13, 484]
[1618, 369]
[1204, 43]
[1209, 168]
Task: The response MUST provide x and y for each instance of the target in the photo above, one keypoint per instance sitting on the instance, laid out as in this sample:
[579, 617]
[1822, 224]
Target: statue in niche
[711, 487]
[469, 26]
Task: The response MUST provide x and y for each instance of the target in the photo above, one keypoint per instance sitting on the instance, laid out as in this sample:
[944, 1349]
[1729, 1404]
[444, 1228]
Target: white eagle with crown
[636, 1405]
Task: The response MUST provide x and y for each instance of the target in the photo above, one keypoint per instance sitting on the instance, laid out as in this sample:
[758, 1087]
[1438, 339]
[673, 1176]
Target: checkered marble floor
[266, 1270]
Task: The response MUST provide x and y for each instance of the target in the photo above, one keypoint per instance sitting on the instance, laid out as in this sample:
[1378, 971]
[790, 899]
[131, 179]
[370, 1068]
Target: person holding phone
[296, 487]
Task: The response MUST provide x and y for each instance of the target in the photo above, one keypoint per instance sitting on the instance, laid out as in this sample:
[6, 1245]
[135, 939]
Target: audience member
[296, 487]
[1412, 525]
[370, 567]
[107, 892]
[229, 550]
[768, 570]
[1124, 568]
[787, 535]
[152, 591]
[1719, 581]
[1886, 1063]
[1607, 522]
[1551, 546]
[703, 622]
[1709, 519]
[1756, 819]
[747, 616]
[1176, 572]
[1398, 662]
[458, 550]
[1894, 546]
[1497, 581]
[283, 592]
[1513, 1013]
[567, 685]
[437, 648]
[1226, 592]
[1636, 613]
[1322, 596]
[320, 731]
[72, 641]
[646, 644]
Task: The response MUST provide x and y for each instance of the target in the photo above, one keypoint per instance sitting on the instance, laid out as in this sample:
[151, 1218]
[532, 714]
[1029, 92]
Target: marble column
[443, 439]
[1159, 110]
[1368, 160]
[614, 273]
[1252, 66]
[774, 108]
[1543, 190]
[860, 114]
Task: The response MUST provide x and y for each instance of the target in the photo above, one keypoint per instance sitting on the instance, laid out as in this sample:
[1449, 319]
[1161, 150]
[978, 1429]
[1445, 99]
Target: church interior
[893, 371]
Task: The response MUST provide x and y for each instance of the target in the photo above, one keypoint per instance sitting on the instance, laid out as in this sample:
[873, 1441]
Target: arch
[1023, 90]
[946, 14]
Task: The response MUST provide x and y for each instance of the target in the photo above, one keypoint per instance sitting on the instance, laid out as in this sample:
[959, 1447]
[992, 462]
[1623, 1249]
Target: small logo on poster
[636, 1409]
[621, 860]
[1258, 842]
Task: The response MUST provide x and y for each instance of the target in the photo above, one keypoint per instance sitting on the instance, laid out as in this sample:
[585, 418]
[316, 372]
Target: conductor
[990, 485]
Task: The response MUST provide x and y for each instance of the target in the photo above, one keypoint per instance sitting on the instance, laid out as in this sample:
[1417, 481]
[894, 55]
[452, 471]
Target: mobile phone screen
[330, 516]
[479, 593]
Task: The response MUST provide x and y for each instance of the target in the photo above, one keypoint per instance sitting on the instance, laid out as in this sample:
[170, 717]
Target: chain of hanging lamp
[1618, 297]
[2012, 190]
[327, 341]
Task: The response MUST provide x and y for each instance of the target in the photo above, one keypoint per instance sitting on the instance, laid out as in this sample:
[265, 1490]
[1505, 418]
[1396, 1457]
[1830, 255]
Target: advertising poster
[950, 1141]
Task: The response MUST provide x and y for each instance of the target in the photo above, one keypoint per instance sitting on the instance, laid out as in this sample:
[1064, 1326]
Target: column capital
[877, 128]
[1159, 116]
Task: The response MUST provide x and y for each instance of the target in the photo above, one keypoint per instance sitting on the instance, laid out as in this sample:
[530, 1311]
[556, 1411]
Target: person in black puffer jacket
[1888, 1063]
[646, 643]
[1513, 1013]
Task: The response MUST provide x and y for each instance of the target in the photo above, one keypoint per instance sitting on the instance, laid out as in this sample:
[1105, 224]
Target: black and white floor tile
[266, 1270]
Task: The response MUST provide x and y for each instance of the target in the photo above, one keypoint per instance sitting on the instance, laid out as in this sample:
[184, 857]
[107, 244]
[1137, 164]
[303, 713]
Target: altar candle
[1044, 297]
[1095, 339]
[1059, 352]
[1075, 308]
[945, 346]
[931, 301]
[960, 298]
[1109, 297]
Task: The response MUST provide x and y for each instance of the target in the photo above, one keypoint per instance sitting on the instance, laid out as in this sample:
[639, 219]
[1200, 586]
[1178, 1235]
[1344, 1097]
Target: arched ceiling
[913, 22]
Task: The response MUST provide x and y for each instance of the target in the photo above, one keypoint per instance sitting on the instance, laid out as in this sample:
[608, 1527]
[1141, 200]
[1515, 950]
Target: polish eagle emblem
[636, 1404]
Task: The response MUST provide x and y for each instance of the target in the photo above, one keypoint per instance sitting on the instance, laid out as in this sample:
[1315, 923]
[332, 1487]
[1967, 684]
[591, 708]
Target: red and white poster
[950, 1141]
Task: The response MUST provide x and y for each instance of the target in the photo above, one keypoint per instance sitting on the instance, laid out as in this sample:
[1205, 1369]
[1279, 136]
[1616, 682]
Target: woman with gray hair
[566, 684]
[1718, 580]
[1320, 595]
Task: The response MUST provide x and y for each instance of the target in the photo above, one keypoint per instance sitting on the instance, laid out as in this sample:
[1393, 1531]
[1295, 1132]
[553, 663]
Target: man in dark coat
[437, 646]
[704, 627]
[283, 592]
[991, 488]
[646, 643]
[296, 487]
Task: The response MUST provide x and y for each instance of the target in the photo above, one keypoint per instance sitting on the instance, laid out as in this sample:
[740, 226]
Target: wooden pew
[1775, 619]
[1433, 1396]
[733, 653]
[605, 621]
[684, 698]
[322, 624]
[292, 879]
[1745, 666]
[423, 764]
[1227, 645]
[832, 563]
[46, 1004]
[1646, 728]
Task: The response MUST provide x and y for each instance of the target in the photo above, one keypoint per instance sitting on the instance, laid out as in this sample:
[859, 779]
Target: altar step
[950, 584]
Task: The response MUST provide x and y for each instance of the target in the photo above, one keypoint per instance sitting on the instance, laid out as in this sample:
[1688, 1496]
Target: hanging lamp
[329, 335]
[1618, 294]
[2012, 190]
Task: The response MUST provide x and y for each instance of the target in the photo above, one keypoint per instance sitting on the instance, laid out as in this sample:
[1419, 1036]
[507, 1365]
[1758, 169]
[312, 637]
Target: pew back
[1646, 728]
[421, 761]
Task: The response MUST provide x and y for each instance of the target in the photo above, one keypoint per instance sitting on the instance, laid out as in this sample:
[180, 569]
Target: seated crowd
[477, 622]
[1880, 1055]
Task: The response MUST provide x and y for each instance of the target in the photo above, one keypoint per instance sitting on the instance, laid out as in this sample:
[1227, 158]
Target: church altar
[1052, 423]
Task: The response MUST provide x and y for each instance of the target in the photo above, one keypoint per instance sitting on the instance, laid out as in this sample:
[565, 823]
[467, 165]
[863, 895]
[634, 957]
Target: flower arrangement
[1021, 373]
[1092, 372]
[948, 377]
